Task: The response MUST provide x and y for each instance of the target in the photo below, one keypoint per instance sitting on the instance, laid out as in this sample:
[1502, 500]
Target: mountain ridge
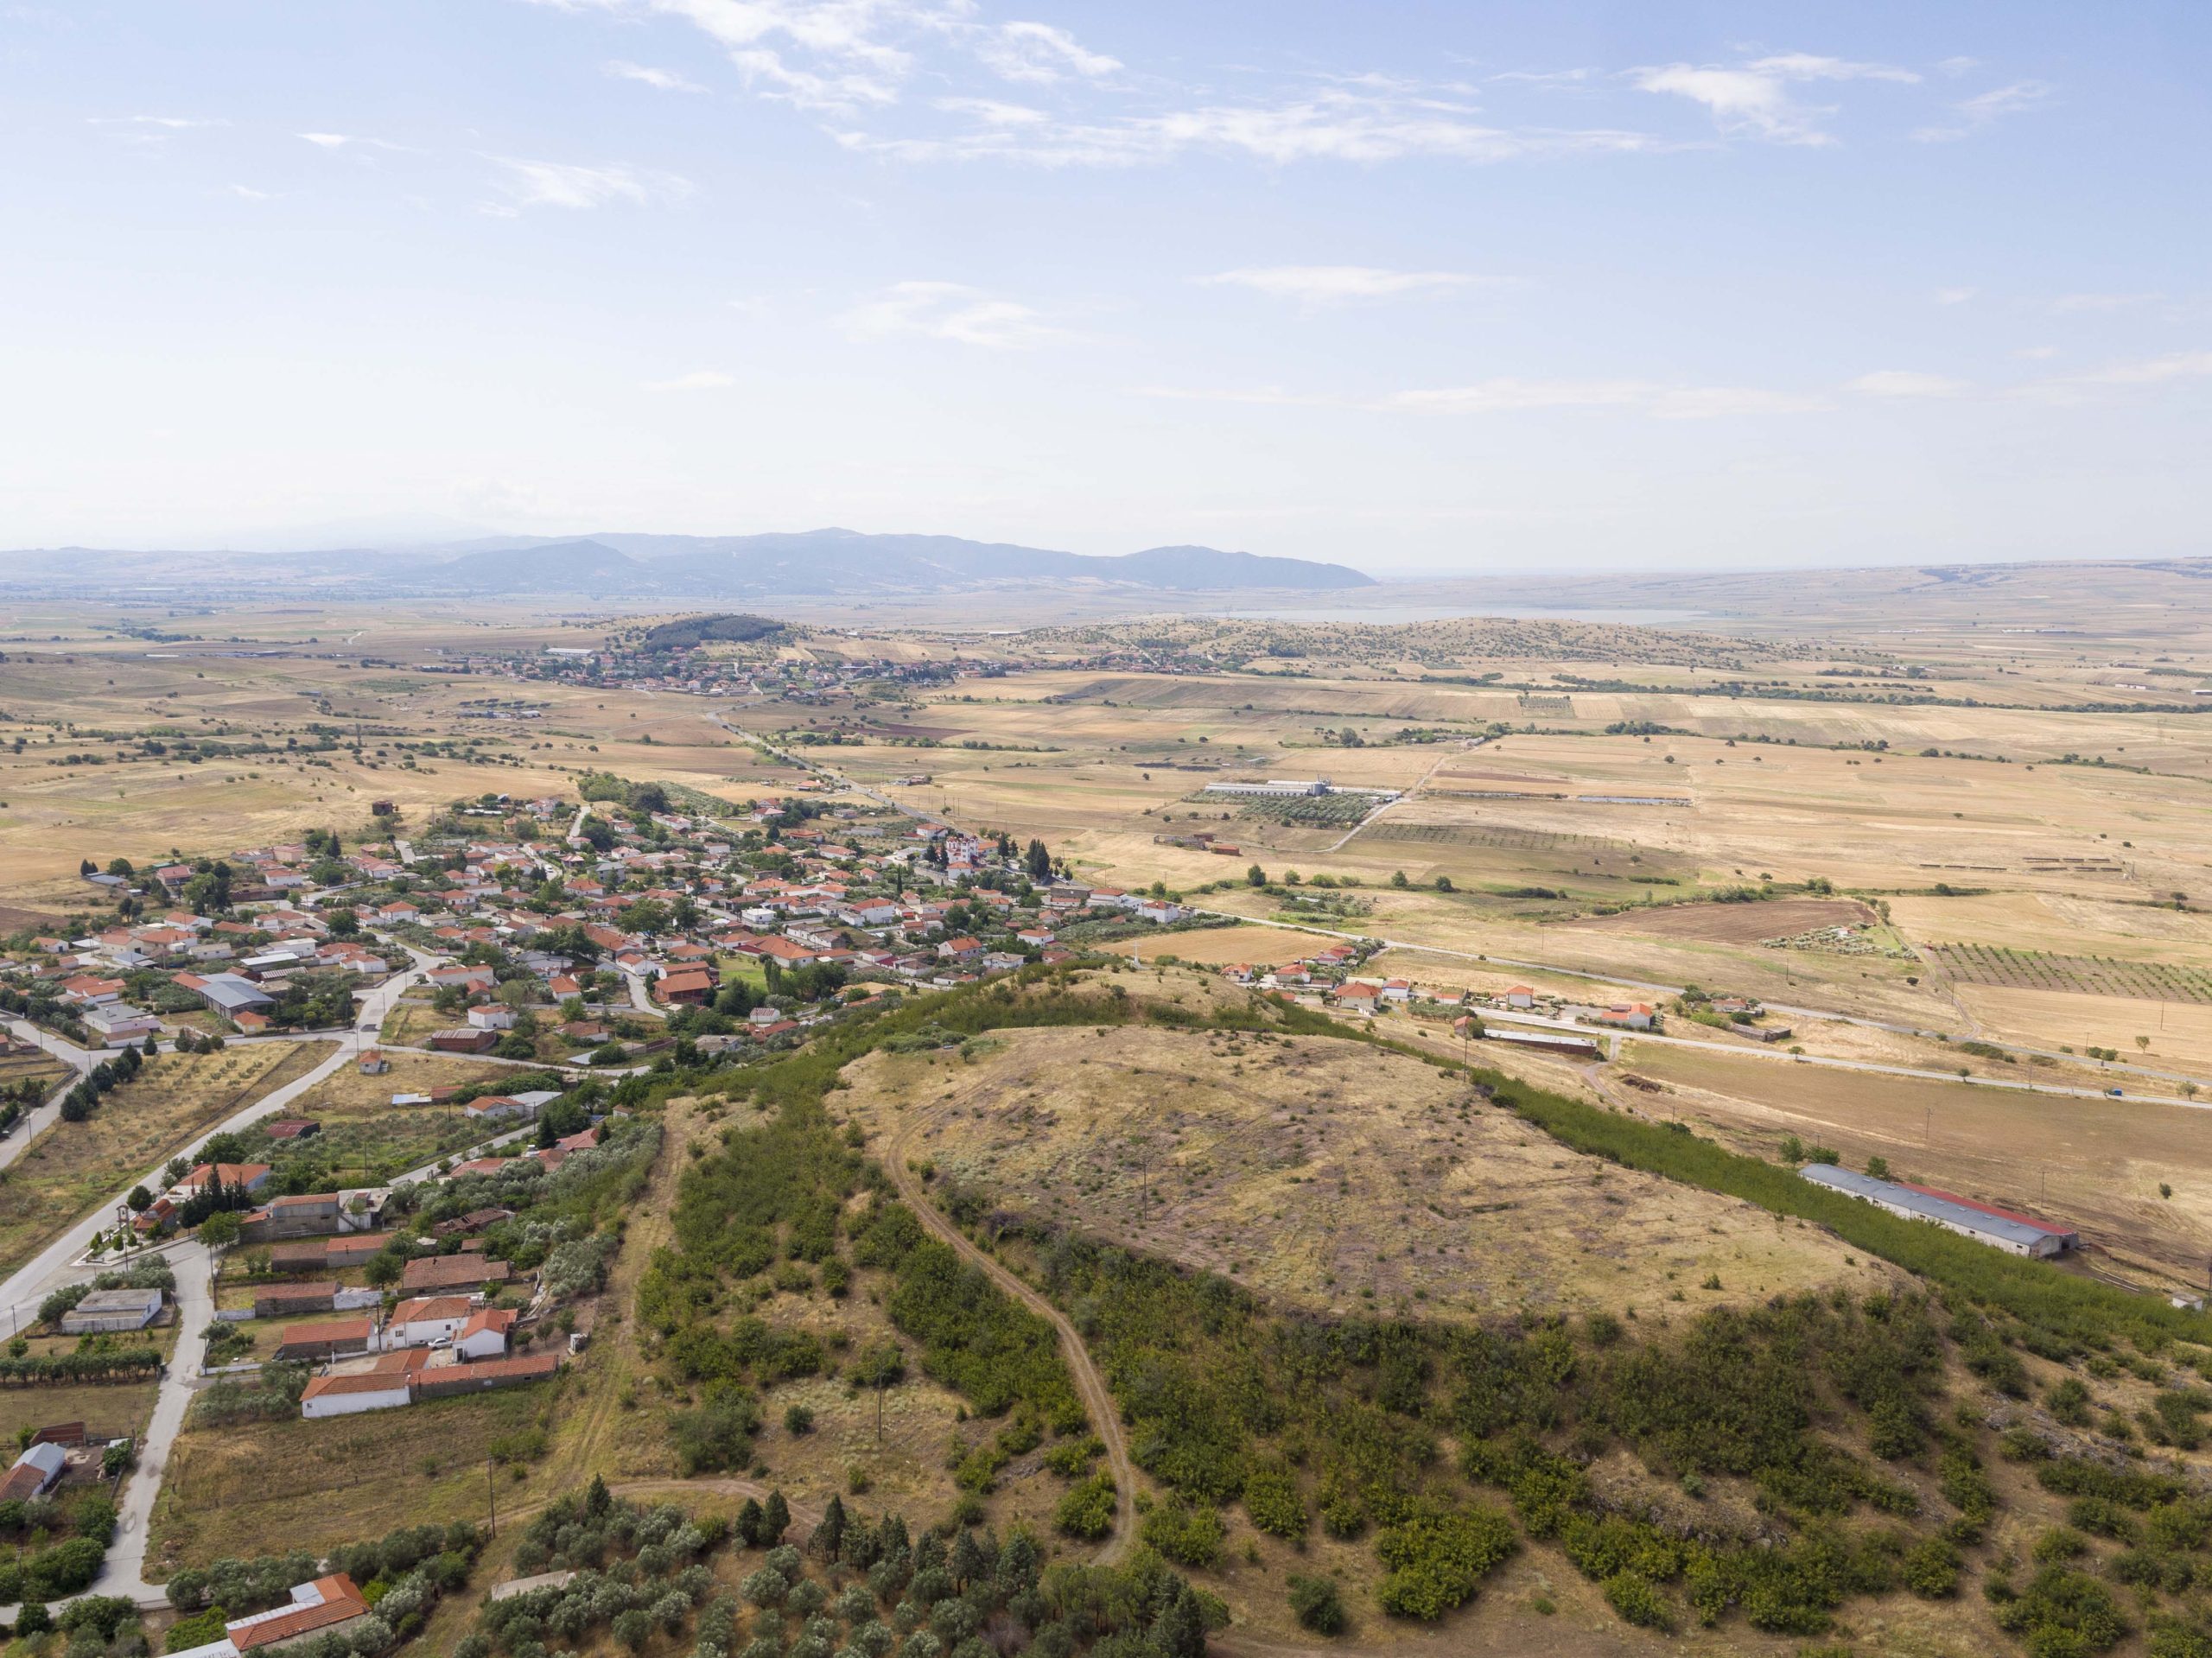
[827, 562]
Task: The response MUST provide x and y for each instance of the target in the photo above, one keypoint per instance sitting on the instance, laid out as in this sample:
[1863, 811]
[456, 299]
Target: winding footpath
[1098, 1397]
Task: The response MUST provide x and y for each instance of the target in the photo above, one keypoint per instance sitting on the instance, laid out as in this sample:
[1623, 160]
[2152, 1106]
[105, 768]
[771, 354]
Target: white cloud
[2037, 353]
[1040, 52]
[704, 379]
[345, 140]
[1754, 99]
[1264, 396]
[1978, 111]
[824, 54]
[992, 112]
[1906, 383]
[1954, 296]
[2066, 304]
[1511, 395]
[556, 184]
[953, 312]
[2190, 364]
[1548, 77]
[667, 80]
[1318, 285]
[247, 193]
[1806, 65]
[1344, 124]
[1719, 402]
[167, 122]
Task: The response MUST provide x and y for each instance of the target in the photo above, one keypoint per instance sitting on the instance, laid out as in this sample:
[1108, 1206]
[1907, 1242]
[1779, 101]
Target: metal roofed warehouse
[1999, 1227]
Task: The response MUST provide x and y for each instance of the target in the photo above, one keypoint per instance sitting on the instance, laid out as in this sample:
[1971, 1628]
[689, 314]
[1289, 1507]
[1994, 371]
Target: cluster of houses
[235, 966]
[864, 890]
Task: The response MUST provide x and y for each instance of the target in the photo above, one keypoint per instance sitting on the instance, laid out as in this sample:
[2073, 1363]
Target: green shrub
[1185, 1535]
[1087, 1510]
[1436, 1555]
[2069, 1402]
[1073, 1455]
[1637, 1601]
[2062, 1613]
[1273, 1502]
[1317, 1606]
[1930, 1568]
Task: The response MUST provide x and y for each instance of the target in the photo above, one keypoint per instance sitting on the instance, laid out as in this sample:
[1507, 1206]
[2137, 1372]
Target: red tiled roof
[501, 1319]
[444, 1271]
[424, 1308]
[341, 1603]
[330, 1329]
[377, 1381]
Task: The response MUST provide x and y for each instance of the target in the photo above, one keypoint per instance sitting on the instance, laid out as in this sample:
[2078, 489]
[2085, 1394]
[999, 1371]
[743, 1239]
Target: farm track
[1098, 1397]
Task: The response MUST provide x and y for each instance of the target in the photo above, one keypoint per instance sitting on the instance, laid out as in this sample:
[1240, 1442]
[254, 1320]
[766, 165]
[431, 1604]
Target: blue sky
[1429, 288]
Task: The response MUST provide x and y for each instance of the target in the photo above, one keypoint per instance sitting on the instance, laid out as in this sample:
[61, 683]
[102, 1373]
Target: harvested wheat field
[1325, 1173]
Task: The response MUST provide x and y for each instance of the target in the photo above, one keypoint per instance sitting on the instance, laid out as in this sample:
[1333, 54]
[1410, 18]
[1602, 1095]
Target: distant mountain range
[812, 563]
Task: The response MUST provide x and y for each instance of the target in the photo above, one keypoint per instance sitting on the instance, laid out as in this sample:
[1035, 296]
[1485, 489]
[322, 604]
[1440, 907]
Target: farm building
[444, 1379]
[328, 1606]
[2000, 1229]
[289, 1300]
[1292, 788]
[349, 1395]
[113, 1309]
[434, 1274]
[331, 1338]
[33, 1474]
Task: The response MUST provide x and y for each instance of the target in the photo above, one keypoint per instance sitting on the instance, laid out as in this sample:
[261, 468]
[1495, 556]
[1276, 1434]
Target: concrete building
[111, 1311]
[2001, 1228]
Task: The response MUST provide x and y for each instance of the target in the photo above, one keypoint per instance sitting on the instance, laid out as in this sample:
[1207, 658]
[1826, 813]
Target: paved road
[59, 1046]
[641, 999]
[42, 1116]
[123, 1571]
[1098, 1397]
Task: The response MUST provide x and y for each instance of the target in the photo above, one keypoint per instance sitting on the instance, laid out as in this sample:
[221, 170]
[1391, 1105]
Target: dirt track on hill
[1097, 1398]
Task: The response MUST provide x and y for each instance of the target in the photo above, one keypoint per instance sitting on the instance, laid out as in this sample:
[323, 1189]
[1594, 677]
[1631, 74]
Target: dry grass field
[1323, 1175]
[347, 1089]
[111, 1410]
[74, 1166]
[268, 1486]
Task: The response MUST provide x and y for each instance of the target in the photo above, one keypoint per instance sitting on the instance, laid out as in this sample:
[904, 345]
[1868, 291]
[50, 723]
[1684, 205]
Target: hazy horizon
[1431, 293]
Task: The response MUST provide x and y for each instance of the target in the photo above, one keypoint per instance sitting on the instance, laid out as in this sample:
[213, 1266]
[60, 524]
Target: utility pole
[492, 1494]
